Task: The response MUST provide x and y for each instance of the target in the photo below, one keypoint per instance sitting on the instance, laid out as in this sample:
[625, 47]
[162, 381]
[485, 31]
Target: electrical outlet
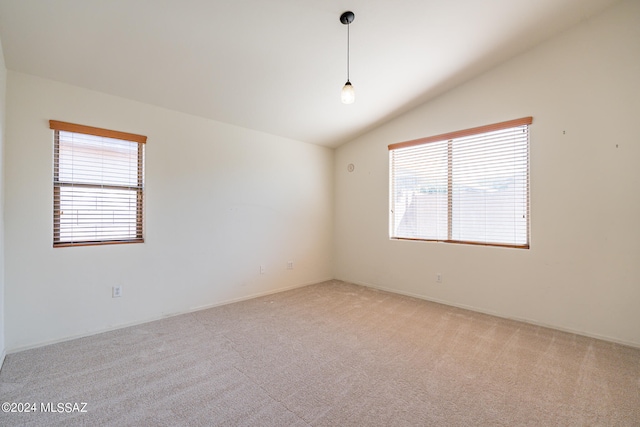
[262, 268]
[289, 265]
[116, 291]
[438, 277]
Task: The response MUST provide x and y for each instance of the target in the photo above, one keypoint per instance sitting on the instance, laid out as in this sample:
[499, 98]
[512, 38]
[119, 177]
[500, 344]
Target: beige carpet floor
[331, 354]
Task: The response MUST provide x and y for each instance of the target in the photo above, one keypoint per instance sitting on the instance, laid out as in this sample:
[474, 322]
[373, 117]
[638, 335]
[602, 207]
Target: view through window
[98, 185]
[469, 186]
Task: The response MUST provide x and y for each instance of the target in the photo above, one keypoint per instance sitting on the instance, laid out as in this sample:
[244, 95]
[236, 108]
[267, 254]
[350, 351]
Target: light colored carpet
[331, 354]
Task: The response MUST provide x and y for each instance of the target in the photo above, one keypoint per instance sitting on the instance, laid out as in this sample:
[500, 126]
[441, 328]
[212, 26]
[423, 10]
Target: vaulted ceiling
[277, 66]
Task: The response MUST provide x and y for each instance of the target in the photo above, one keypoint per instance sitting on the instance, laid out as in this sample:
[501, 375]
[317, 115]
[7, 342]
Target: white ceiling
[277, 66]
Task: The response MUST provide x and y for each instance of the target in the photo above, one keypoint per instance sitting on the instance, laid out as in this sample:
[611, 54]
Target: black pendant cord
[348, 55]
[347, 91]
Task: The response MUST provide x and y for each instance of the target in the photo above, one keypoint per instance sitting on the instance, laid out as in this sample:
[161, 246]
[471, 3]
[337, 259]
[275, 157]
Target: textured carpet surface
[331, 354]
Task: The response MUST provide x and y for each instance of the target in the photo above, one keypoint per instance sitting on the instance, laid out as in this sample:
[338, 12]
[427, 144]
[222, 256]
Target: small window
[98, 186]
[469, 186]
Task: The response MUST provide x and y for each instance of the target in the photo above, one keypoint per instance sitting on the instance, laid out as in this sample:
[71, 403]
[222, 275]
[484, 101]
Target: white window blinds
[469, 186]
[98, 185]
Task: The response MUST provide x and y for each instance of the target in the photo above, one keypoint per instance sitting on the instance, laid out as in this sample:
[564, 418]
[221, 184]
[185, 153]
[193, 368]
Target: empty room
[320, 213]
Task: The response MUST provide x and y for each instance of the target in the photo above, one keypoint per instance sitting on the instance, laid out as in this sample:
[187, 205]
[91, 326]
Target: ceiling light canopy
[348, 94]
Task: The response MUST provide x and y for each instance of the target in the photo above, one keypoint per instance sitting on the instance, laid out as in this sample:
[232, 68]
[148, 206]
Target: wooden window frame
[58, 126]
[449, 137]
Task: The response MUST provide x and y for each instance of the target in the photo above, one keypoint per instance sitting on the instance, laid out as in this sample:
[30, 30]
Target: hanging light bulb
[348, 94]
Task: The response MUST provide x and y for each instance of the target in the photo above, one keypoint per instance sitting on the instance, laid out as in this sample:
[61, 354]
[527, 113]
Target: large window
[469, 186]
[98, 185]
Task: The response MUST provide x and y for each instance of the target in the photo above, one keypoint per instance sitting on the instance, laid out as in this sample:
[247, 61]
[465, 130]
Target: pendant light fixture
[348, 94]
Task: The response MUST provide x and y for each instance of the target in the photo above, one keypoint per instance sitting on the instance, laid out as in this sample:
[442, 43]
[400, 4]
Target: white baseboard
[492, 313]
[251, 296]
[2, 356]
[288, 288]
[164, 316]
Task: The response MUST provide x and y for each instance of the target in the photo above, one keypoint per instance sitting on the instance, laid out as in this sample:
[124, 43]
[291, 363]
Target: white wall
[582, 272]
[3, 85]
[220, 201]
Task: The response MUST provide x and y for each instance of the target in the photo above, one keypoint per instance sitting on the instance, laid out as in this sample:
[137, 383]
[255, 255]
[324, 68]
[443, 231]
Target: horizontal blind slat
[98, 188]
[478, 181]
